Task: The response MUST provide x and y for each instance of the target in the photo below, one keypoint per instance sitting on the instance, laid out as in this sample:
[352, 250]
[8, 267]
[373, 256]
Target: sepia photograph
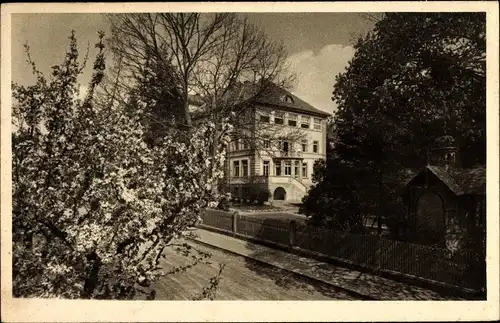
[180, 154]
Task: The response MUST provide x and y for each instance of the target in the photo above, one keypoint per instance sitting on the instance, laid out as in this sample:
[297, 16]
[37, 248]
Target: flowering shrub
[93, 205]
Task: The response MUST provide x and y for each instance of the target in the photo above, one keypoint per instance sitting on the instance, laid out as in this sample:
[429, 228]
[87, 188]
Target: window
[296, 168]
[287, 99]
[304, 145]
[288, 168]
[265, 168]
[267, 143]
[236, 145]
[317, 124]
[244, 167]
[315, 146]
[304, 122]
[278, 118]
[277, 169]
[265, 118]
[243, 144]
[236, 168]
[304, 170]
[285, 146]
[292, 120]
[264, 115]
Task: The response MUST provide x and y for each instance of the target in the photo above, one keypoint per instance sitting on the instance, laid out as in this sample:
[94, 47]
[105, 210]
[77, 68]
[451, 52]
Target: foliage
[224, 203]
[162, 103]
[416, 77]
[263, 195]
[421, 75]
[93, 205]
[260, 195]
[256, 195]
[335, 198]
[398, 221]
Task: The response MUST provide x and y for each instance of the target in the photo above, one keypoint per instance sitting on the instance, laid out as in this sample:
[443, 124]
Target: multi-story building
[277, 154]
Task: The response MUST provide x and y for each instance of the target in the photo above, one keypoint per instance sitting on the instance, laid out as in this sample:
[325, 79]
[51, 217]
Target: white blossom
[105, 187]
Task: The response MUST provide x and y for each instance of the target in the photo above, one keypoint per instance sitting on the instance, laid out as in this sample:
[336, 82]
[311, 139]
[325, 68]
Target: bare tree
[207, 56]
[223, 61]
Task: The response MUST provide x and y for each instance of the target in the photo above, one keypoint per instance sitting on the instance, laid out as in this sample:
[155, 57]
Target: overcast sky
[319, 44]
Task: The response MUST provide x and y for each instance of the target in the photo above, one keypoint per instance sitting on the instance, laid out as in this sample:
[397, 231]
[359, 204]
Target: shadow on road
[345, 283]
[284, 278]
[291, 281]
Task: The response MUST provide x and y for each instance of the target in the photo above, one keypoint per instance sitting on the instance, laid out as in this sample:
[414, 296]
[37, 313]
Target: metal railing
[465, 268]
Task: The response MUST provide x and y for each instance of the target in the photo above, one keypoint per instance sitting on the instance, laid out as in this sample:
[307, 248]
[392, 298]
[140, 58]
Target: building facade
[447, 203]
[277, 153]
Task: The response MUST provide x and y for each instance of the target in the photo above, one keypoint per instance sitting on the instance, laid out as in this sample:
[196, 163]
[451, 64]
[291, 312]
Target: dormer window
[287, 99]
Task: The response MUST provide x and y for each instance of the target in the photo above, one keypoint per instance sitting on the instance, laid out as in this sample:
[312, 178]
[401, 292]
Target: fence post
[378, 252]
[235, 222]
[293, 233]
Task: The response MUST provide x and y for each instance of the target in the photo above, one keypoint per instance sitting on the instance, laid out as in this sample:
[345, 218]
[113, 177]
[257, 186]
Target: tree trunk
[187, 116]
[92, 278]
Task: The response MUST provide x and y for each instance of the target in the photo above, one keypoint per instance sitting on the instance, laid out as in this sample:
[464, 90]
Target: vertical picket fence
[370, 251]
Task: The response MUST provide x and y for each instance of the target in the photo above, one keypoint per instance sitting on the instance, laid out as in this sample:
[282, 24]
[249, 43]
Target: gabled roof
[446, 177]
[408, 174]
[276, 96]
[472, 180]
[461, 181]
[272, 95]
[269, 94]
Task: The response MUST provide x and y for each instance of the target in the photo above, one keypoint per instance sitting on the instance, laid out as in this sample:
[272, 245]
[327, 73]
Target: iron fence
[218, 219]
[465, 268]
[267, 230]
